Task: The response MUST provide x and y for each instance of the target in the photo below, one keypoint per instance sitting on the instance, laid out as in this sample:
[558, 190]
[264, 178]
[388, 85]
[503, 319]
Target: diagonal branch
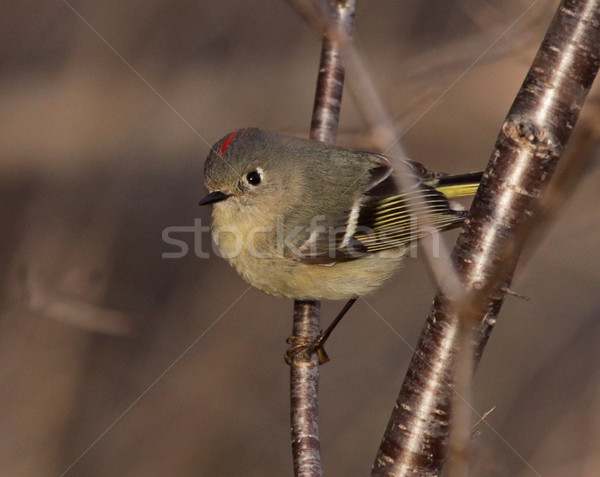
[526, 153]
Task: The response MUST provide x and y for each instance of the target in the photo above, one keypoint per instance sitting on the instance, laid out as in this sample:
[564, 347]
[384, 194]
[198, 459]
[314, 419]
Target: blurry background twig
[94, 166]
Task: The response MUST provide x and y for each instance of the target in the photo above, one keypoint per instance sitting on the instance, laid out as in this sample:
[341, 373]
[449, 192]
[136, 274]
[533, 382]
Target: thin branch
[526, 153]
[330, 82]
[304, 370]
[304, 401]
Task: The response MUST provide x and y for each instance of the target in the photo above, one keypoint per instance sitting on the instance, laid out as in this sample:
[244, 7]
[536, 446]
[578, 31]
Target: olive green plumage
[308, 220]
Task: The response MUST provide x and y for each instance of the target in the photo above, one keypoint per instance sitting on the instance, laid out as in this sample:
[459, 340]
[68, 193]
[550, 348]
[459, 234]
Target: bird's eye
[254, 178]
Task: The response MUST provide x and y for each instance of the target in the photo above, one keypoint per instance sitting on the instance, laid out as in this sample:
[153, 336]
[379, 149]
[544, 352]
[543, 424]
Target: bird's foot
[301, 349]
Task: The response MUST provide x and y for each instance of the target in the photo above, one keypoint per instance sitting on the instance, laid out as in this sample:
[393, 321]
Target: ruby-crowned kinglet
[307, 220]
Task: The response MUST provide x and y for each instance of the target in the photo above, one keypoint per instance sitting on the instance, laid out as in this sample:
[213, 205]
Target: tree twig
[526, 153]
[304, 370]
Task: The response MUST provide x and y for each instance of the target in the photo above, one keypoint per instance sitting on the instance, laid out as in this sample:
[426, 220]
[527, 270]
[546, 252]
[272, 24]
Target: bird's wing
[322, 235]
[399, 220]
[381, 218]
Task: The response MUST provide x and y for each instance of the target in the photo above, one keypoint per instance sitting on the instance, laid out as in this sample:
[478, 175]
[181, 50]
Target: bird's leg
[319, 342]
[303, 345]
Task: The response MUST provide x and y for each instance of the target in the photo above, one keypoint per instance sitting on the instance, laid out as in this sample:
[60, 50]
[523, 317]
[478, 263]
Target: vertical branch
[304, 370]
[526, 153]
[304, 386]
[330, 82]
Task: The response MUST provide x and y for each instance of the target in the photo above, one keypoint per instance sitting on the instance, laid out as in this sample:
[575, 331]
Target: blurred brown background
[117, 361]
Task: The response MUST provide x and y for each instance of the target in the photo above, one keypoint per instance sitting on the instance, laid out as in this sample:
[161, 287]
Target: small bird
[307, 220]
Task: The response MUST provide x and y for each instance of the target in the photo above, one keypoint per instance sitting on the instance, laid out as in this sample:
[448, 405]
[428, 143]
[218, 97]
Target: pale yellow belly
[292, 279]
[244, 248]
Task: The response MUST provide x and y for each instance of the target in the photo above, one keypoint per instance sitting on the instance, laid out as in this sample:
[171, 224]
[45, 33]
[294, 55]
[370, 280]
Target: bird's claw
[302, 349]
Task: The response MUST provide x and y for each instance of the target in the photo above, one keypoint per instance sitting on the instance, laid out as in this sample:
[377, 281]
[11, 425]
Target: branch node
[525, 132]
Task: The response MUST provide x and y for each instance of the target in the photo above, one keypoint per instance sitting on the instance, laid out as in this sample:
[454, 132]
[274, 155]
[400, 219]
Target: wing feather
[380, 218]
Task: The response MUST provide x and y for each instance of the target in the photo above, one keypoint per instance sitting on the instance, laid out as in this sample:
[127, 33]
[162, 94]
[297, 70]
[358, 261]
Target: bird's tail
[461, 185]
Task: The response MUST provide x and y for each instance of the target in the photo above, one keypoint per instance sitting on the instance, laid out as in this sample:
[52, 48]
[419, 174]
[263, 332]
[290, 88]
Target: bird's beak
[216, 196]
